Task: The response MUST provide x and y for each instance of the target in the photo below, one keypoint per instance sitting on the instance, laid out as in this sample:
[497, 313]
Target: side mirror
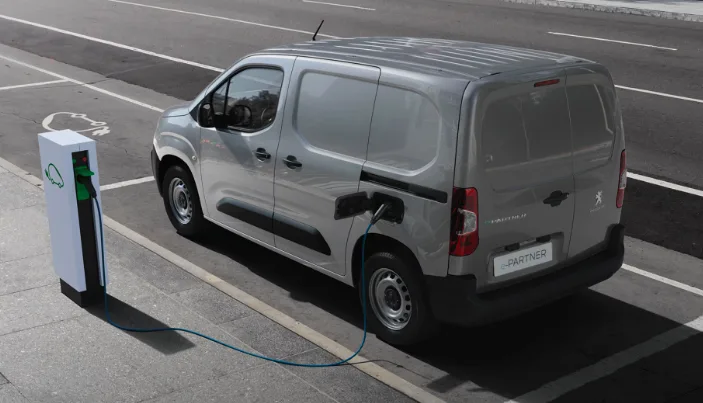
[240, 116]
[205, 115]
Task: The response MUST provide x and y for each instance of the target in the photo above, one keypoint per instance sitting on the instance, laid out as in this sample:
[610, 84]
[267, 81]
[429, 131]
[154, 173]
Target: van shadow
[509, 358]
[166, 342]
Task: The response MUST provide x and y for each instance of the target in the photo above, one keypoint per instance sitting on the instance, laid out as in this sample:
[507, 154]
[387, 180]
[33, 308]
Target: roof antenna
[318, 29]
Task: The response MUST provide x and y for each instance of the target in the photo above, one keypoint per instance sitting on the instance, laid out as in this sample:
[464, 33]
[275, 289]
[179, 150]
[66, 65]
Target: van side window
[406, 129]
[526, 127]
[592, 109]
[333, 113]
[257, 89]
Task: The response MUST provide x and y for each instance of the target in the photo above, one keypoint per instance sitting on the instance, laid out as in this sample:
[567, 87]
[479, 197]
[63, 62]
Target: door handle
[261, 154]
[292, 162]
[556, 198]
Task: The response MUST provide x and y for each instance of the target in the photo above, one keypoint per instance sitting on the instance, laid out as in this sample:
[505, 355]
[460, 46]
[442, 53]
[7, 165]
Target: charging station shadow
[123, 314]
[508, 358]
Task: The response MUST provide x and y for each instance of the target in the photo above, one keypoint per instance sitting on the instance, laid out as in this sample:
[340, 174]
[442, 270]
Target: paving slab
[10, 394]
[27, 273]
[213, 304]
[23, 233]
[686, 10]
[16, 193]
[276, 383]
[269, 337]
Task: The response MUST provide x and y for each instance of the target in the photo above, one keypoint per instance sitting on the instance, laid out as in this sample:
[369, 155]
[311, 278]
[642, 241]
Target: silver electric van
[504, 168]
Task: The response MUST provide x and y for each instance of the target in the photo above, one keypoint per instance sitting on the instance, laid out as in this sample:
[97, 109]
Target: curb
[613, 9]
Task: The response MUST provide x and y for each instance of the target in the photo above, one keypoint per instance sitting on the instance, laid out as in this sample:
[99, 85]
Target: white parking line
[174, 10]
[656, 277]
[661, 94]
[12, 87]
[126, 183]
[659, 182]
[115, 44]
[610, 40]
[92, 87]
[609, 365]
[339, 5]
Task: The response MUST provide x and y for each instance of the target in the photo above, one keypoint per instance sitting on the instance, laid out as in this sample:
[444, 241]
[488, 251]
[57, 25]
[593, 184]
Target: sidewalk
[686, 10]
[53, 351]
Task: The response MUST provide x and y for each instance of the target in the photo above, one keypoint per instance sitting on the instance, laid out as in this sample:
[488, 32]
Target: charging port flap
[351, 205]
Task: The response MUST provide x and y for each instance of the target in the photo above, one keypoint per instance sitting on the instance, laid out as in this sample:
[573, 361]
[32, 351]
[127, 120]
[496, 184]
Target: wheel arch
[380, 243]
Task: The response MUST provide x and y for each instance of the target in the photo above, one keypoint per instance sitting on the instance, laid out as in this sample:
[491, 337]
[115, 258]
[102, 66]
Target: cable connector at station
[84, 184]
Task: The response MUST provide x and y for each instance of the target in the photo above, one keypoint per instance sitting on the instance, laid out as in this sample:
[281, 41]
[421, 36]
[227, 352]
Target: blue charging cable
[375, 219]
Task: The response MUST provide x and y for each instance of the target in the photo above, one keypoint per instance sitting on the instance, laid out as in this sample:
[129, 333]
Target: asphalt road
[490, 364]
[662, 134]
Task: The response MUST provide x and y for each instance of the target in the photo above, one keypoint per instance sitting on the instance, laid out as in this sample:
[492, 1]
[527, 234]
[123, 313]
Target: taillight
[464, 236]
[622, 183]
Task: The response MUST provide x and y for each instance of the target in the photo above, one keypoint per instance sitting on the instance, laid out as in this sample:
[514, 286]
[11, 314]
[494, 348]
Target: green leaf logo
[51, 173]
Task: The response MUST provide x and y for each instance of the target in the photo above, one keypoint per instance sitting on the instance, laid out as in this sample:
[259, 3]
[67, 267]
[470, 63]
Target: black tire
[197, 224]
[421, 324]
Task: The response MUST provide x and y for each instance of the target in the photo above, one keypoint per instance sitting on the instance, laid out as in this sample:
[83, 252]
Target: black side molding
[300, 233]
[416, 190]
[253, 215]
[292, 230]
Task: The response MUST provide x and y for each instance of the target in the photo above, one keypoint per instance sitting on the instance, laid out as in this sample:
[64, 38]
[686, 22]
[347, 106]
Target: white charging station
[73, 219]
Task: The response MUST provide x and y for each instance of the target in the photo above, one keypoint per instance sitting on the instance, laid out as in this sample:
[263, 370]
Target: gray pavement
[53, 351]
[686, 10]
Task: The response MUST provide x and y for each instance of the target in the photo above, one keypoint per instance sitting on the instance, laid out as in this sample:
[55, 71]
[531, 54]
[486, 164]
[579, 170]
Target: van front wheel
[182, 202]
[396, 303]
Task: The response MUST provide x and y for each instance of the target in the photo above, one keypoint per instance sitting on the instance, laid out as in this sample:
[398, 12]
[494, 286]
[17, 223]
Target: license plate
[522, 259]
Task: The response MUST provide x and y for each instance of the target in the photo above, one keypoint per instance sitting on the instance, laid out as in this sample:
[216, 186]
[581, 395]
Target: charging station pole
[73, 221]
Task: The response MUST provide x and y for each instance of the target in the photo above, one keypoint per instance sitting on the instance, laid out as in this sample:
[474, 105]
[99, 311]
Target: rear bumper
[454, 299]
[155, 165]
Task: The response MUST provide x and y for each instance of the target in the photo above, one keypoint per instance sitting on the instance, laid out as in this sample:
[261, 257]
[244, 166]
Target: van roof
[439, 57]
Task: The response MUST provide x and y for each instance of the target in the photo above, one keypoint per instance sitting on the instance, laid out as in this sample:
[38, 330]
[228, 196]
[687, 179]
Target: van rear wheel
[396, 302]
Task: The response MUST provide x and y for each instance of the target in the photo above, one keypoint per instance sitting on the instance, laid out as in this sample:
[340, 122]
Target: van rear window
[526, 127]
[592, 109]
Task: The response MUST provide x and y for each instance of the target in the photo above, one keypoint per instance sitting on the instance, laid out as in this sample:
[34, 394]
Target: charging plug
[87, 182]
[379, 213]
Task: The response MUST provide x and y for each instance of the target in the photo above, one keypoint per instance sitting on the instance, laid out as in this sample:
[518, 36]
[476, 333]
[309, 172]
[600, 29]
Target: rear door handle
[556, 198]
[292, 162]
[261, 154]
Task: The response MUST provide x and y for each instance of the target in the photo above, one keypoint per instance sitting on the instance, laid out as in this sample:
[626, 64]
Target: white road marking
[324, 342]
[611, 40]
[656, 277]
[115, 44]
[661, 94]
[659, 182]
[609, 365]
[81, 83]
[12, 87]
[95, 128]
[339, 5]
[174, 10]
[126, 183]
[218, 69]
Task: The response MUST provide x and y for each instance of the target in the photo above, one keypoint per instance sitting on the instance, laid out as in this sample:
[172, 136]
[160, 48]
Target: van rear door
[596, 129]
[523, 173]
